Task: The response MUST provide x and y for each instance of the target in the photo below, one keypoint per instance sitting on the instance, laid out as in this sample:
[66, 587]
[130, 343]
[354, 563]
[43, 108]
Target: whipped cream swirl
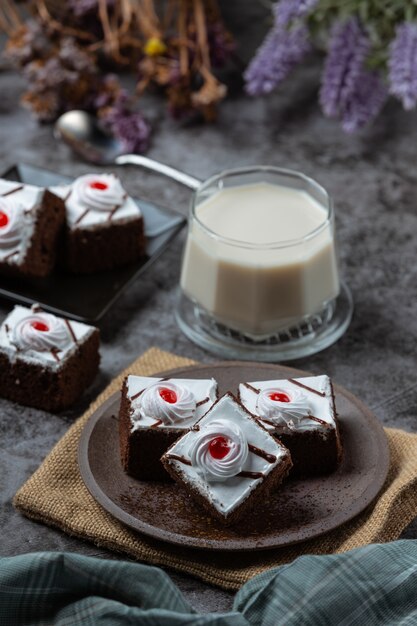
[11, 232]
[151, 403]
[99, 192]
[283, 413]
[219, 469]
[41, 332]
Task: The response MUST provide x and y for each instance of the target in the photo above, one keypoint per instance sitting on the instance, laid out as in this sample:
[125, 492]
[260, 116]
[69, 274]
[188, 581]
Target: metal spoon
[83, 133]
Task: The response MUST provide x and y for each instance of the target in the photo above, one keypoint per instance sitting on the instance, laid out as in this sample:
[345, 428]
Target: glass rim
[286, 243]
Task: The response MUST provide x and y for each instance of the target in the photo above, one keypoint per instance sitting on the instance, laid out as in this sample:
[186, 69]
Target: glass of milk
[260, 256]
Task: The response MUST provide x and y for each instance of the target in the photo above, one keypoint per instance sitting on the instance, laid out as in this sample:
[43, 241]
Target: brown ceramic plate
[300, 510]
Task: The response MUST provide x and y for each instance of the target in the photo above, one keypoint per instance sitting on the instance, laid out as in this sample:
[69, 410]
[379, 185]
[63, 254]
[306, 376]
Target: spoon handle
[161, 168]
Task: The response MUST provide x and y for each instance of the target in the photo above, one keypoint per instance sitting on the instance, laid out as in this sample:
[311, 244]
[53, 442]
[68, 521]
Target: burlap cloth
[56, 495]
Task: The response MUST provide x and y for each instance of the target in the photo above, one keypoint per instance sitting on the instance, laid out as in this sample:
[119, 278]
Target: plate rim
[15, 297]
[231, 545]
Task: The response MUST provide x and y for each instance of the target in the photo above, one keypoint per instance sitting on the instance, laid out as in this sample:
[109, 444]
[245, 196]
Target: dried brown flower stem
[200, 24]
[147, 19]
[111, 40]
[9, 17]
[212, 90]
[126, 13]
[182, 42]
[47, 19]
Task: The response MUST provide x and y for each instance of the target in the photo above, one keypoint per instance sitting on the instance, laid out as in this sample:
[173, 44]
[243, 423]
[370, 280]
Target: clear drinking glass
[250, 293]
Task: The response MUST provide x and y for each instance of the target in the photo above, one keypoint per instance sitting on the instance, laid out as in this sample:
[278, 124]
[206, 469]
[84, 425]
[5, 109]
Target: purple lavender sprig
[288, 10]
[280, 52]
[349, 47]
[127, 125]
[402, 65]
[365, 101]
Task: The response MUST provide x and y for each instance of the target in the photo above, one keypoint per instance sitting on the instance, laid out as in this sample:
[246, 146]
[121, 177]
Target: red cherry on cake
[279, 396]
[40, 326]
[219, 447]
[168, 395]
[97, 184]
[4, 220]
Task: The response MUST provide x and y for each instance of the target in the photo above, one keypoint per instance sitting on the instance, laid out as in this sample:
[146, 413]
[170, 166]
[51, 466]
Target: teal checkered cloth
[376, 584]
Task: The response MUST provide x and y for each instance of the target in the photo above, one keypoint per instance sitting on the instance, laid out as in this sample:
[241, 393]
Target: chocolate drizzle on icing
[246, 474]
[68, 195]
[264, 420]
[254, 389]
[81, 217]
[271, 458]
[317, 419]
[202, 401]
[9, 256]
[9, 193]
[54, 352]
[156, 424]
[71, 330]
[113, 211]
[177, 457]
[296, 382]
[136, 395]
[139, 393]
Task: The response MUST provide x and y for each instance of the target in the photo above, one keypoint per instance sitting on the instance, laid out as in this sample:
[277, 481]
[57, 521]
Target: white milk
[272, 270]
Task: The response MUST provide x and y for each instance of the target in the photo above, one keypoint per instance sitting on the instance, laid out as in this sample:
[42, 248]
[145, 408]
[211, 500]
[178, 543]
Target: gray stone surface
[373, 185]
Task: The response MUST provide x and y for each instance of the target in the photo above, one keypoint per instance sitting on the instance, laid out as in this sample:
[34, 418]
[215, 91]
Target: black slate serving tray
[87, 297]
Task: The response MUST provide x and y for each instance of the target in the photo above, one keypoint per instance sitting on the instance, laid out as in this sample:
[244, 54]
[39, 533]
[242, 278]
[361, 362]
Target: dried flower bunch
[371, 48]
[66, 49]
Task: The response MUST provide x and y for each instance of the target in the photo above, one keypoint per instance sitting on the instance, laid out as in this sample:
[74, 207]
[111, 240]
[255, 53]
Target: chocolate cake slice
[46, 361]
[105, 226]
[31, 222]
[228, 462]
[301, 413]
[154, 412]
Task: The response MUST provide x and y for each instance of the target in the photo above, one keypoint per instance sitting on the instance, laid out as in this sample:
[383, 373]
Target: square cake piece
[154, 412]
[46, 361]
[105, 226]
[301, 413]
[227, 461]
[31, 222]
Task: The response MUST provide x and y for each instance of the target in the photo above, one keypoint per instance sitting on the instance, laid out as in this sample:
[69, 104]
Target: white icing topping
[48, 358]
[88, 207]
[283, 413]
[203, 392]
[11, 232]
[227, 495]
[21, 204]
[318, 396]
[232, 463]
[152, 404]
[26, 335]
[86, 190]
